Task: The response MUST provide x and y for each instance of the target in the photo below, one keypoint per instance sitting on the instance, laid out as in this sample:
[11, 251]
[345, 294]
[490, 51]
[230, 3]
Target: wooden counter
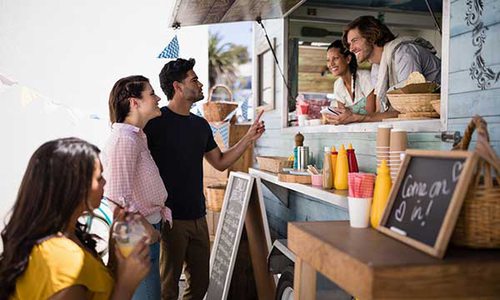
[370, 265]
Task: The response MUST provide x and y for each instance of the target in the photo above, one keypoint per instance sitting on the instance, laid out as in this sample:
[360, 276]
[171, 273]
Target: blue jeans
[150, 288]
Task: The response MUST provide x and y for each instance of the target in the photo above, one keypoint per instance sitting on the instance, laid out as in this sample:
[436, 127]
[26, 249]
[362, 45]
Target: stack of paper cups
[398, 144]
[383, 143]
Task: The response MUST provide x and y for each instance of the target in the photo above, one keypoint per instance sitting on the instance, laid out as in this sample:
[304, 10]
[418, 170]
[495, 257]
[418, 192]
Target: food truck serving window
[301, 36]
[316, 24]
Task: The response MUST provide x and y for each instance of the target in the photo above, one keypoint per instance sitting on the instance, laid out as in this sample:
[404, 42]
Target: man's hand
[257, 129]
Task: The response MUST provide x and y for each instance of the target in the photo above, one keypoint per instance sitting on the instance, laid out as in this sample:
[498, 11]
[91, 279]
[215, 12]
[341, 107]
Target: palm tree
[224, 59]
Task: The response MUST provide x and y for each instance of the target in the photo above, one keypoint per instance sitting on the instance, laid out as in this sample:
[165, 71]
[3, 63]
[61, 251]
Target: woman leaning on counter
[353, 88]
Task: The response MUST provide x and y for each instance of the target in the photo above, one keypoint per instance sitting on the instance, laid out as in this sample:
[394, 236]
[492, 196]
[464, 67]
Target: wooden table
[370, 265]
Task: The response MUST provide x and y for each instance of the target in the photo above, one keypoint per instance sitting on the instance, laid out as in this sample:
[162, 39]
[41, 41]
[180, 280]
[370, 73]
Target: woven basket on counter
[478, 225]
[436, 104]
[215, 196]
[407, 103]
[217, 111]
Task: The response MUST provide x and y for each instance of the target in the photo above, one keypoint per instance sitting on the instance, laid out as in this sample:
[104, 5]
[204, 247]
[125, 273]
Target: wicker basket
[274, 164]
[478, 225]
[217, 111]
[405, 103]
[436, 104]
[215, 196]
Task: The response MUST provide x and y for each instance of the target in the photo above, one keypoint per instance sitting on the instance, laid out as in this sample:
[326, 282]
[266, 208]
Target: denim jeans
[150, 288]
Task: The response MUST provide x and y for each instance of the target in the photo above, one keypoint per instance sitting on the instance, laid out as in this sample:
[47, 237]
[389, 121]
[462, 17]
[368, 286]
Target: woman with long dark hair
[47, 254]
[353, 88]
[133, 177]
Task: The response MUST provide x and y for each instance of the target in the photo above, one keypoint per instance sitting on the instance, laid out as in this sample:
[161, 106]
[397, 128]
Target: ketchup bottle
[351, 159]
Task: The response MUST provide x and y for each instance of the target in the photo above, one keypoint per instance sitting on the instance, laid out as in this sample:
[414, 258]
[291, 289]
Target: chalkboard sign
[426, 198]
[227, 238]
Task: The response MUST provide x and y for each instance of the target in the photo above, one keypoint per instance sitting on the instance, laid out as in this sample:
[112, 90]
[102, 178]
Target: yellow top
[58, 263]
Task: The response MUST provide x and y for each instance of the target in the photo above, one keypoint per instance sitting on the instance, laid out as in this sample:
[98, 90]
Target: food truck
[289, 70]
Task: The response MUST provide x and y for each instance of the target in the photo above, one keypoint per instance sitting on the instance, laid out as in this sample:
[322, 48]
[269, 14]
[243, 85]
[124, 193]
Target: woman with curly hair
[47, 254]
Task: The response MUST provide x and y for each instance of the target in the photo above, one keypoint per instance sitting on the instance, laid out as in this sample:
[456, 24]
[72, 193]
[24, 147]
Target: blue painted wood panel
[462, 59]
[300, 208]
[459, 8]
[467, 96]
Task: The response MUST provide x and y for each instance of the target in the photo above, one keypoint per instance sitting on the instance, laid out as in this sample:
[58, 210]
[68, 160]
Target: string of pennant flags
[27, 96]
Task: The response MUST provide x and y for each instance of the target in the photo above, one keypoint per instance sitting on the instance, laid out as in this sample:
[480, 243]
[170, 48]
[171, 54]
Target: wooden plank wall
[466, 98]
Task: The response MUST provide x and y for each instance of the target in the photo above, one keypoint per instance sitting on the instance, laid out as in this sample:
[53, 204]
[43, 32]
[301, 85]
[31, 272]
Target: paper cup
[359, 211]
[399, 140]
[317, 180]
[383, 135]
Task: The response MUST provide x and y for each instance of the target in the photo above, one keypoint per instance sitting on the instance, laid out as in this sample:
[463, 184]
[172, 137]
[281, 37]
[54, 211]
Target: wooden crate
[274, 164]
[212, 222]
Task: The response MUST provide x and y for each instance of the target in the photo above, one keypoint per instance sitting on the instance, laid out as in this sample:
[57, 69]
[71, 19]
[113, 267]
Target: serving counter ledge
[335, 197]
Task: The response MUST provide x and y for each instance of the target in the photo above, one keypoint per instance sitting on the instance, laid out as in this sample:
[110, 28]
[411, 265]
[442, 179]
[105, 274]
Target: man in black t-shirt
[178, 141]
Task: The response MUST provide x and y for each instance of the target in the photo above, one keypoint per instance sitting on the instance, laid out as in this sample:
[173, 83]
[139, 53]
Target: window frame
[261, 61]
[434, 125]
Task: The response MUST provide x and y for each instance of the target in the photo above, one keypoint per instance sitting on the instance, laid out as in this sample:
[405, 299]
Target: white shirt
[363, 88]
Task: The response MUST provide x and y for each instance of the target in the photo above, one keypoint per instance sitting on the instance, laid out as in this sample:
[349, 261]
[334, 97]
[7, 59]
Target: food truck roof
[195, 12]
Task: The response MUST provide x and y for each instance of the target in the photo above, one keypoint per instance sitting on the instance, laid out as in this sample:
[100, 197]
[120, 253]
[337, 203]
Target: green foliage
[223, 60]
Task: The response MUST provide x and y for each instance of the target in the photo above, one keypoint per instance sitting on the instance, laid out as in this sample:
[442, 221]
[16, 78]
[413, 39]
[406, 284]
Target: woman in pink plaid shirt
[132, 176]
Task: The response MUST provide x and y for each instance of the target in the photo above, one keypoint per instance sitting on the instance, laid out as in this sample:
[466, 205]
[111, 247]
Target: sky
[239, 33]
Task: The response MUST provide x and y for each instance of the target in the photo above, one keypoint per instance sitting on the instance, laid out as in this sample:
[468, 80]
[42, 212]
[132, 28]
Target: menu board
[426, 198]
[228, 234]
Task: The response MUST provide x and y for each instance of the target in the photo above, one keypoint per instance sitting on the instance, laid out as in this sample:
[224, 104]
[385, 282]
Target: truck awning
[198, 12]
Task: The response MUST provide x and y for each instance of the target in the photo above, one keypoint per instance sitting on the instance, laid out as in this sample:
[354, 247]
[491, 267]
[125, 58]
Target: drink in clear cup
[127, 234]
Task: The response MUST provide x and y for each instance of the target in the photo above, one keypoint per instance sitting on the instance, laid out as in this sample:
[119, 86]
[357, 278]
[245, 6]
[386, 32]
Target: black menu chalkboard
[228, 234]
[426, 198]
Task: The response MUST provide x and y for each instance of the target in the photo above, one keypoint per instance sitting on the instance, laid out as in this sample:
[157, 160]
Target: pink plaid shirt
[132, 175]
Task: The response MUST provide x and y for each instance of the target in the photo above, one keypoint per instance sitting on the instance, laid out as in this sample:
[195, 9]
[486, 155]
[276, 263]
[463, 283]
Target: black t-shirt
[178, 144]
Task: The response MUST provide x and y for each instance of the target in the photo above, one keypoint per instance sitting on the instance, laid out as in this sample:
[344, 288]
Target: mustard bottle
[334, 161]
[327, 169]
[383, 186]
[341, 170]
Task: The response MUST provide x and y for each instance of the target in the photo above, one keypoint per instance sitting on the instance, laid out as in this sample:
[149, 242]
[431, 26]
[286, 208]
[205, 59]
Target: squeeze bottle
[334, 161]
[327, 169]
[341, 170]
[351, 158]
[383, 186]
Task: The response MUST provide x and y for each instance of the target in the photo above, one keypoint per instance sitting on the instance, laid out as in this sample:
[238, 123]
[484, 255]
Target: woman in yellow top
[46, 254]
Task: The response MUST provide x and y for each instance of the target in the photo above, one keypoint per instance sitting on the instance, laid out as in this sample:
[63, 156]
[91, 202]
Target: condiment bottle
[299, 141]
[383, 186]
[334, 155]
[327, 169]
[341, 170]
[351, 159]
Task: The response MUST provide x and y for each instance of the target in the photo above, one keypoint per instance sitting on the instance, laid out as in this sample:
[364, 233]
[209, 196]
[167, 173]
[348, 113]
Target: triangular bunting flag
[244, 109]
[172, 49]
[222, 130]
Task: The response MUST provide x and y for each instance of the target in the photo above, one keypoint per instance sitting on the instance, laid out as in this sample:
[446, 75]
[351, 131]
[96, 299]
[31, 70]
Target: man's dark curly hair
[372, 29]
[174, 71]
